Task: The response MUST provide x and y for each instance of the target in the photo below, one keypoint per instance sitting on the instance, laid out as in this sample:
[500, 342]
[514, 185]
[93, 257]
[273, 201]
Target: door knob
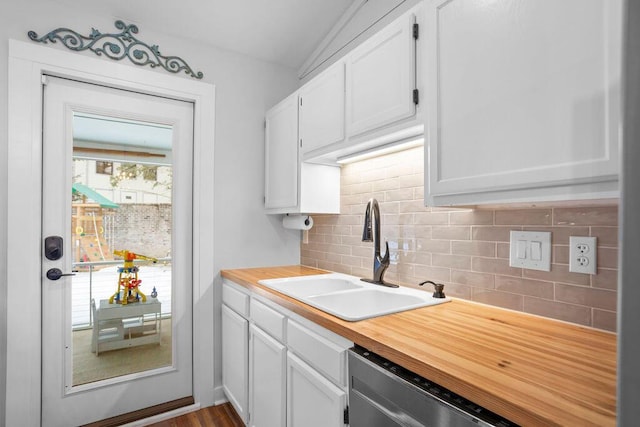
[56, 273]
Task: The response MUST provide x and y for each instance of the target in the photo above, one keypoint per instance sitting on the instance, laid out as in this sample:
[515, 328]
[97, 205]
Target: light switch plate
[530, 249]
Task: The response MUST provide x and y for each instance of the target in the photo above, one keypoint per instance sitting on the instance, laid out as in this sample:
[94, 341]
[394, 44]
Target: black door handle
[56, 273]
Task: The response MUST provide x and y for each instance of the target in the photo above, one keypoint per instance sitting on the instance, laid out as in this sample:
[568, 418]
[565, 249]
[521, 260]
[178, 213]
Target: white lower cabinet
[235, 356]
[267, 380]
[280, 369]
[312, 400]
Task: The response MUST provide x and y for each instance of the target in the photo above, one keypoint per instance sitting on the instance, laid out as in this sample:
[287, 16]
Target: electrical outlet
[582, 254]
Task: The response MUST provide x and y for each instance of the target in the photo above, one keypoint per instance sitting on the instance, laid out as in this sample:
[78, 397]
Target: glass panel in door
[121, 241]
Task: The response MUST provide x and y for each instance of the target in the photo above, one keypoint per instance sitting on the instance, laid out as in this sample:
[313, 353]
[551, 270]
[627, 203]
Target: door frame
[27, 63]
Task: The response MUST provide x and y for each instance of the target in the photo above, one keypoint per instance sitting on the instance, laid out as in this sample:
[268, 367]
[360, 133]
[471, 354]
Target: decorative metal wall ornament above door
[117, 46]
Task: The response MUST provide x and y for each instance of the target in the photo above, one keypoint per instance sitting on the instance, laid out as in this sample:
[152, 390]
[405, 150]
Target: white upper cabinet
[381, 78]
[368, 98]
[292, 186]
[523, 100]
[321, 111]
[281, 155]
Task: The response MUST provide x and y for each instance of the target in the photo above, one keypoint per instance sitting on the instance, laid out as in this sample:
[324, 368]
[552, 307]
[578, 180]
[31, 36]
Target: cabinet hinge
[416, 31]
[301, 101]
[346, 415]
[265, 124]
[300, 142]
[416, 96]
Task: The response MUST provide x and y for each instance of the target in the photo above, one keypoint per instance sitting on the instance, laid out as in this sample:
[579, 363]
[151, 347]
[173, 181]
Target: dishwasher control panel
[380, 391]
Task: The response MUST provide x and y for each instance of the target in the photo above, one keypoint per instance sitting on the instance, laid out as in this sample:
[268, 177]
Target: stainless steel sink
[348, 298]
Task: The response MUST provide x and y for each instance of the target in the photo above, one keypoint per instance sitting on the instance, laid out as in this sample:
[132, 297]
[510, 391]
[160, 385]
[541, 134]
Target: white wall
[245, 88]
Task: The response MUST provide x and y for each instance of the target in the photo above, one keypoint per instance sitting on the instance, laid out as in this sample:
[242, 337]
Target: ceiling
[124, 133]
[285, 32]
[105, 138]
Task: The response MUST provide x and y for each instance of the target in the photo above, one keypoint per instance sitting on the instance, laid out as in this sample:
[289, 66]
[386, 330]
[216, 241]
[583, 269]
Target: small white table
[114, 323]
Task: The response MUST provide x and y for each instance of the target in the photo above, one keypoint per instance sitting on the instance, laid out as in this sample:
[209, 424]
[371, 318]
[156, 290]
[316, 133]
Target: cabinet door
[312, 400]
[322, 109]
[267, 380]
[381, 78]
[523, 94]
[281, 155]
[235, 360]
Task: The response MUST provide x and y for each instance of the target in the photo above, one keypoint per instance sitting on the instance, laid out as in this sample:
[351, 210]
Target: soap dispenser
[439, 288]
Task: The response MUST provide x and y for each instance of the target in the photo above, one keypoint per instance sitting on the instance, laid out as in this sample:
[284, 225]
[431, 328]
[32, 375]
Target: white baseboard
[218, 396]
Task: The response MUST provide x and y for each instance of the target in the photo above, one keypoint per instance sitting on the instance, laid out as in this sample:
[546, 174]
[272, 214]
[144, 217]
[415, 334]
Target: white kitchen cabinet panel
[319, 189]
[292, 186]
[267, 380]
[235, 360]
[312, 400]
[523, 100]
[328, 357]
[236, 300]
[321, 110]
[268, 319]
[281, 155]
[381, 78]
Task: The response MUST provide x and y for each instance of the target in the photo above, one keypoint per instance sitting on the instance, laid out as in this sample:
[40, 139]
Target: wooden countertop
[531, 370]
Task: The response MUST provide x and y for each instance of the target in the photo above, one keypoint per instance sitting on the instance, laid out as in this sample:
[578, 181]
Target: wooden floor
[214, 416]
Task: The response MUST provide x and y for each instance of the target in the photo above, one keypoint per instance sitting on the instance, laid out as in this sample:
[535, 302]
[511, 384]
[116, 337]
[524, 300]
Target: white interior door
[66, 399]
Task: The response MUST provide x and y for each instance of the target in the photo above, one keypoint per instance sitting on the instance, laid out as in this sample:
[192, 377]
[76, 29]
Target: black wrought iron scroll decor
[117, 46]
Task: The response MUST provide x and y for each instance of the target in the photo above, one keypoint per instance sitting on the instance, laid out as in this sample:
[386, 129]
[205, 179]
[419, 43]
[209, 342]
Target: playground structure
[88, 225]
[128, 282]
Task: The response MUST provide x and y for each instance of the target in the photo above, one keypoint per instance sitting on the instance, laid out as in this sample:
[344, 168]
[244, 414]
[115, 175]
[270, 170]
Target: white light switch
[536, 250]
[522, 249]
[530, 249]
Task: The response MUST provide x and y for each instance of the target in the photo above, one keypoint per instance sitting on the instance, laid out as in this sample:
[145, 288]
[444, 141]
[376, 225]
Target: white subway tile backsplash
[471, 217]
[485, 249]
[476, 280]
[466, 249]
[524, 217]
[597, 215]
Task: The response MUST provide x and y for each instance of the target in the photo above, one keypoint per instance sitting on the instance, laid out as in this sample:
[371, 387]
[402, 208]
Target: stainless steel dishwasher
[382, 394]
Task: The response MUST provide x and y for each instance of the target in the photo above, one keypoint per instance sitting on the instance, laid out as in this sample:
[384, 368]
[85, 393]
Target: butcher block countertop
[531, 370]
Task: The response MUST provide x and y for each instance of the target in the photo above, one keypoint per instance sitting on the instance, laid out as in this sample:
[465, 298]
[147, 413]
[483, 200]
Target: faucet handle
[385, 258]
[439, 288]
